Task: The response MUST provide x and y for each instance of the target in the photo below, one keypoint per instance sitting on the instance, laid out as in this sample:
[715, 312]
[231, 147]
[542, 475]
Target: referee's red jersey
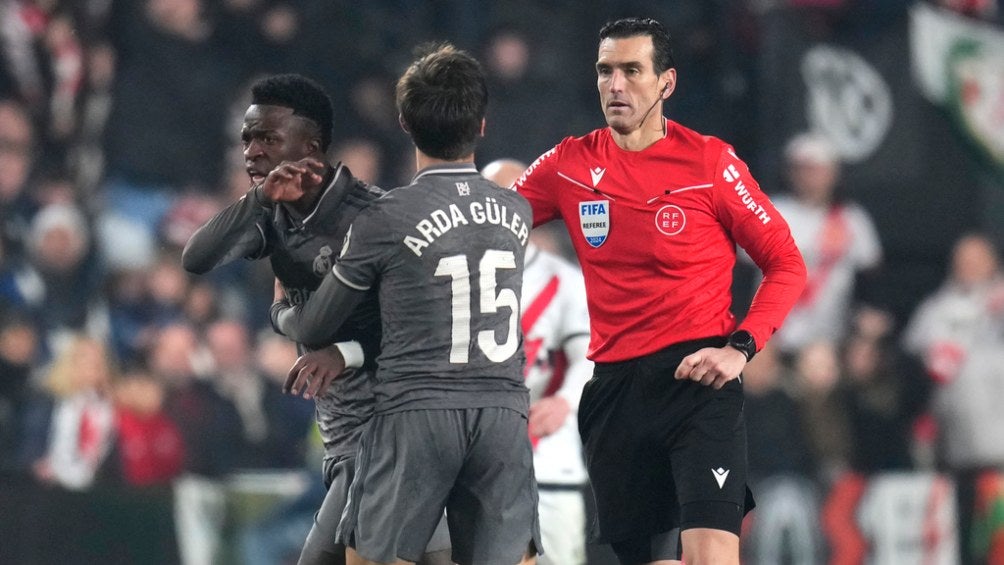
[656, 232]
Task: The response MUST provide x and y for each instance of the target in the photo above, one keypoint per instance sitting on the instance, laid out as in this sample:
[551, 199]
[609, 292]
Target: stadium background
[110, 105]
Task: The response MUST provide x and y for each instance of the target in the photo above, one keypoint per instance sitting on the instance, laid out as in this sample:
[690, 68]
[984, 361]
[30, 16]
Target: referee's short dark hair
[662, 44]
[442, 99]
[304, 96]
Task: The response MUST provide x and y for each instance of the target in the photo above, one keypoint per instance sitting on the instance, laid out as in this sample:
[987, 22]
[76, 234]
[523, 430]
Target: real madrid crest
[322, 263]
[594, 220]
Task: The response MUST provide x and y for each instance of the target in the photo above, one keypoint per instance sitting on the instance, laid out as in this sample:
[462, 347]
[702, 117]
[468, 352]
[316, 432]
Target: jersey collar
[332, 195]
[447, 169]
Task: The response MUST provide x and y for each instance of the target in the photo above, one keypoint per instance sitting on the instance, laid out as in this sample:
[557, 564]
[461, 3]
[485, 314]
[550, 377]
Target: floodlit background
[140, 417]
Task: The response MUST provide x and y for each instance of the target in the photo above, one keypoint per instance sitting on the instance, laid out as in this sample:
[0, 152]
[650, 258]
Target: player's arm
[315, 322]
[548, 414]
[235, 232]
[367, 244]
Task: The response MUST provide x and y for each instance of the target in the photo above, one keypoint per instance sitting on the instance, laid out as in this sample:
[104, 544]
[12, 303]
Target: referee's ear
[483, 122]
[404, 126]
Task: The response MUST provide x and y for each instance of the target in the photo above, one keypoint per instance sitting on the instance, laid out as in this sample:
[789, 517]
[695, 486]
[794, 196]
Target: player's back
[447, 252]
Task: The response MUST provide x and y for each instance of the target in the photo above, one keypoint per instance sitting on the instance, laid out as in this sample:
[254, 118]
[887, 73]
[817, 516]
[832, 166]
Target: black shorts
[477, 463]
[657, 448]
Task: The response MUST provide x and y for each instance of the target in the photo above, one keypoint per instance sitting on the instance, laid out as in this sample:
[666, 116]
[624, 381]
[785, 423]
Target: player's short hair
[662, 43]
[305, 97]
[442, 99]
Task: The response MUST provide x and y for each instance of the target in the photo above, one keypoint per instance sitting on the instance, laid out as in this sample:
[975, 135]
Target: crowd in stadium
[119, 136]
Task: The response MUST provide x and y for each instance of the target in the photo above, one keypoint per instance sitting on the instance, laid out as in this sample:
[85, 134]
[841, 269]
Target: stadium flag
[958, 64]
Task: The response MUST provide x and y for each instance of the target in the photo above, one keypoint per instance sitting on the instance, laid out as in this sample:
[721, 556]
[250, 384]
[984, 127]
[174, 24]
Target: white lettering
[457, 216]
[416, 245]
[477, 213]
[428, 231]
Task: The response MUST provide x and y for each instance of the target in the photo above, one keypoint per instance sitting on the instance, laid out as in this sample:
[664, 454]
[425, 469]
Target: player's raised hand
[713, 366]
[291, 179]
[313, 372]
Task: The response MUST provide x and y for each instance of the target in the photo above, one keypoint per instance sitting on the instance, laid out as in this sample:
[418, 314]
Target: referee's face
[271, 135]
[628, 85]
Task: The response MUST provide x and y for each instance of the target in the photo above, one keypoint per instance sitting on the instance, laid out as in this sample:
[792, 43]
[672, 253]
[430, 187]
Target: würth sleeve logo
[731, 175]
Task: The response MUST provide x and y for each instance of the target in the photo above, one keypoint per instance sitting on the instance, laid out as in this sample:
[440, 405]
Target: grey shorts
[476, 463]
[321, 546]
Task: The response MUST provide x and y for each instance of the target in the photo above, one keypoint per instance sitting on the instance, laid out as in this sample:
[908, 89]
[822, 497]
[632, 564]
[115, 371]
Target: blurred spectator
[210, 425]
[18, 356]
[525, 109]
[150, 450]
[17, 148]
[166, 128]
[777, 444]
[837, 239]
[292, 416]
[211, 431]
[364, 158]
[958, 332]
[70, 429]
[272, 438]
[881, 408]
[67, 273]
[823, 415]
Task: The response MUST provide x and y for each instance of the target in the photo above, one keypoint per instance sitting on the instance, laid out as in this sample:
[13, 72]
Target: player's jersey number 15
[456, 266]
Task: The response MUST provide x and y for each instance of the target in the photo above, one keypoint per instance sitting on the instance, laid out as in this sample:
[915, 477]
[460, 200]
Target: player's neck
[651, 130]
[423, 161]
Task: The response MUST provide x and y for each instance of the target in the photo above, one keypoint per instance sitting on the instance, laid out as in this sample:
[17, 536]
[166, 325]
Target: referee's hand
[713, 366]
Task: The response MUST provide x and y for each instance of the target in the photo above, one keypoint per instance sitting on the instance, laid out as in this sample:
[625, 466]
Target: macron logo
[720, 476]
[597, 175]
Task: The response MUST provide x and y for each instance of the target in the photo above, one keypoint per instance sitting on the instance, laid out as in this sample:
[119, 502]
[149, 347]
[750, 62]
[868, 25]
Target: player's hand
[547, 415]
[313, 372]
[290, 180]
[713, 366]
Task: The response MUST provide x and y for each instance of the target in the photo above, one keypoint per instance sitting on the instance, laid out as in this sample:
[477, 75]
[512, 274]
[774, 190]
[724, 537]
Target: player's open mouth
[256, 176]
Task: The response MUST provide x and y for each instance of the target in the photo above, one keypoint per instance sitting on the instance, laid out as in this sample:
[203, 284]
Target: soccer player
[556, 337]
[450, 423]
[297, 214]
[655, 211]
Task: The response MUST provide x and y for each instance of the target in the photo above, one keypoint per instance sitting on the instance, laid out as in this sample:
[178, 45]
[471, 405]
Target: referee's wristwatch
[743, 341]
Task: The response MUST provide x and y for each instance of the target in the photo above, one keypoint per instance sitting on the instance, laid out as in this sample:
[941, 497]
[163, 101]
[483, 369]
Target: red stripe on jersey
[530, 317]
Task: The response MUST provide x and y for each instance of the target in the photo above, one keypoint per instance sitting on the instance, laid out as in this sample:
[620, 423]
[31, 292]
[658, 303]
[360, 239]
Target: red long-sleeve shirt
[656, 232]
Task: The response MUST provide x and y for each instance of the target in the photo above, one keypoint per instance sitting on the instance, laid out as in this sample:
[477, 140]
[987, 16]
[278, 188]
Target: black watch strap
[743, 341]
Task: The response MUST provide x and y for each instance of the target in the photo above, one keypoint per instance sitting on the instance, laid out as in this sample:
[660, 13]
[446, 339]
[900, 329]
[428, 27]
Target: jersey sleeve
[574, 336]
[755, 224]
[237, 231]
[369, 245]
[538, 185]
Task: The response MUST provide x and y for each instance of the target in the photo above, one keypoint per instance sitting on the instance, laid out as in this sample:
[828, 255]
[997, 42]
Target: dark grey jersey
[302, 252]
[446, 253]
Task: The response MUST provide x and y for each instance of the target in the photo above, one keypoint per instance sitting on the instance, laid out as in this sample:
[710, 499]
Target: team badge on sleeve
[594, 219]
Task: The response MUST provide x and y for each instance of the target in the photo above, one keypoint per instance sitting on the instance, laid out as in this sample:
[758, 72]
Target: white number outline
[456, 267]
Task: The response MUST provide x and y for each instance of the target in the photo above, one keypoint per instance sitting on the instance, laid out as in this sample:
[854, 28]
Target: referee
[655, 211]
